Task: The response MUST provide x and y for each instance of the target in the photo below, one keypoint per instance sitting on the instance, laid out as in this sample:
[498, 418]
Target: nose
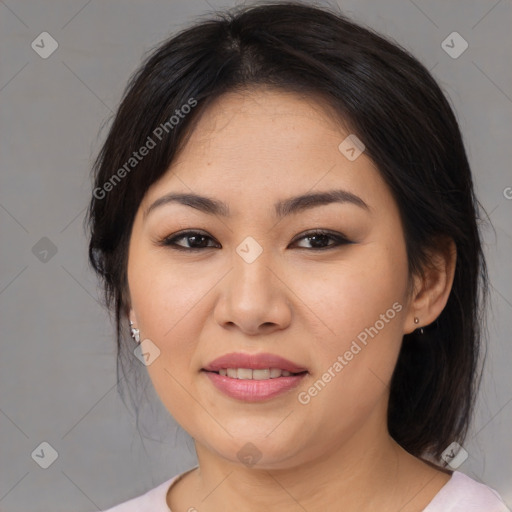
[254, 297]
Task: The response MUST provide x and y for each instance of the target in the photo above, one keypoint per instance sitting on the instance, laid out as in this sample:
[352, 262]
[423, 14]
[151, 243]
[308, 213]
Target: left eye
[317, 238]
[198, 241]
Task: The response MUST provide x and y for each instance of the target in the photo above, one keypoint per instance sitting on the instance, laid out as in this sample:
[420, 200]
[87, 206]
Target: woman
[284, 217]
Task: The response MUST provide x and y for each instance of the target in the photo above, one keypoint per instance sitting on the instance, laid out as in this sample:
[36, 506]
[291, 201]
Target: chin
[265, 452]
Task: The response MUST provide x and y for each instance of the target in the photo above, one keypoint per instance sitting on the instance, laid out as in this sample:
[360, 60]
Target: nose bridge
[253, 296]
[252, 264]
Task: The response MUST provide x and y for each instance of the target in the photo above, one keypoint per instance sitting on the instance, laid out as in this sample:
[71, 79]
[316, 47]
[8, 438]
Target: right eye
[195, 239]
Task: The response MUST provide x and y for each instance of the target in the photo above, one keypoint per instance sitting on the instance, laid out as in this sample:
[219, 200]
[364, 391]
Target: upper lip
[253, 361]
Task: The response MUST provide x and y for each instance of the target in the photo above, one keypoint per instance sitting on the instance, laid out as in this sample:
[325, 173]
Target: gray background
[57, 370]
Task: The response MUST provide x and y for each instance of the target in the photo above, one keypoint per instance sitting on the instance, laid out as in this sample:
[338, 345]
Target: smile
[254, 374]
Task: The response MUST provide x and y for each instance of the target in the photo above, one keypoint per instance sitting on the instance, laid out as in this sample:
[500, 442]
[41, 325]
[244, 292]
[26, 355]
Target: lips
[253, 377]
[253, 362]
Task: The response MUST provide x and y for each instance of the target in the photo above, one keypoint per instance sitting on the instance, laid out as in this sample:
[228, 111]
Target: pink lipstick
[254, 377]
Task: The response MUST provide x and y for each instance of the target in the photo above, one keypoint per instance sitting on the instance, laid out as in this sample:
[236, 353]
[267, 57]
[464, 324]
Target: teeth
[244, 373]
[249, 374]
[275, 372]
[260, 374]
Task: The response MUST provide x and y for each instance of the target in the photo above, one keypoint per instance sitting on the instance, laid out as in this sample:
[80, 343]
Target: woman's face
[256, 284]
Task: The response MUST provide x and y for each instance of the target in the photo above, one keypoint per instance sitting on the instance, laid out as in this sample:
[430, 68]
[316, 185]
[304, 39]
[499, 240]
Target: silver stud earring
[134, 332]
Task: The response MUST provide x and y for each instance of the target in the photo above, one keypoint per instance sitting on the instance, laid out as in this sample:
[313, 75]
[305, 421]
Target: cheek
[351, 295]
[164, 295]
[353, 366]
[168, 305]
[171, 304]
[359, 318]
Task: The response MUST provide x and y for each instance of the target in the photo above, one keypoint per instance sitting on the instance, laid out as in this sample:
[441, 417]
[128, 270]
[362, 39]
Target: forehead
[263, 143]
[254, 117]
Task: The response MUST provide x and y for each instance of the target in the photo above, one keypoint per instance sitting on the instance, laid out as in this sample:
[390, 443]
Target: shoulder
[463, 494]
[153, 500]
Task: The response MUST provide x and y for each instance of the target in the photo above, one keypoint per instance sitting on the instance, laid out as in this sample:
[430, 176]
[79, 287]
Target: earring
[417, 321]
[134, 332]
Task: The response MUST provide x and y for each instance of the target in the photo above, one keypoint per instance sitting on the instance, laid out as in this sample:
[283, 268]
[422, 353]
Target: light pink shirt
[460, 494]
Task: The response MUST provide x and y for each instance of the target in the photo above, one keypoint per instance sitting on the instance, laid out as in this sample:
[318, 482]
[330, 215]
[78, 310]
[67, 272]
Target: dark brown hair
[391, 102]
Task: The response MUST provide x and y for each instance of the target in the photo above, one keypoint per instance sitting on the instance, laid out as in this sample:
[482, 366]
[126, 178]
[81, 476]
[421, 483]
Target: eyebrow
[282, 208]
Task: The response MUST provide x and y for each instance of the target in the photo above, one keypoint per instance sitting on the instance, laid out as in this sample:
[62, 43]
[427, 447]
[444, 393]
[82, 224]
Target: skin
[251, 149]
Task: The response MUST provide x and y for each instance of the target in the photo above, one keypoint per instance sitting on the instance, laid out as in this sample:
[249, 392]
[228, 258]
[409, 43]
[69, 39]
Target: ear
[432, 289]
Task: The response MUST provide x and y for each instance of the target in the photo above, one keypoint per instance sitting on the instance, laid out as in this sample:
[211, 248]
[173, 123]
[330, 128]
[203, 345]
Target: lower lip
[250, 390]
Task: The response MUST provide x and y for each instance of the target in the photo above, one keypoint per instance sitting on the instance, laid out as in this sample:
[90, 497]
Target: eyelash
[170, 241]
